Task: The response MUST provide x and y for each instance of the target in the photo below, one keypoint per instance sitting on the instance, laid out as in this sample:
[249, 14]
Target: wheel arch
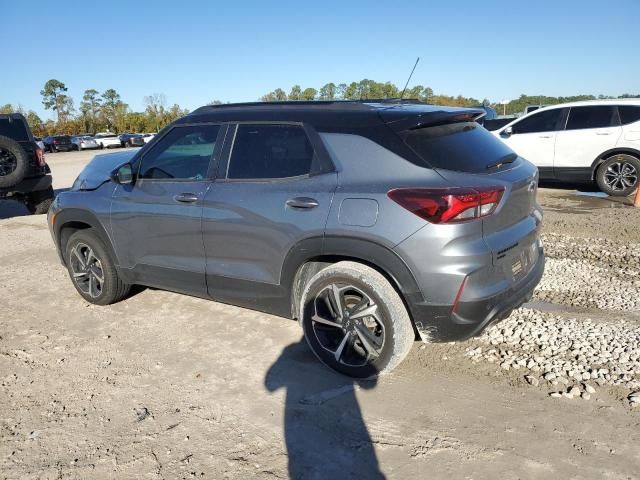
[608, 154]
[71, 220]
[310, 256]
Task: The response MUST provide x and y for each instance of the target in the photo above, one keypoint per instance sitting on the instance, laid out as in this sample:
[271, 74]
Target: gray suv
[372, 223]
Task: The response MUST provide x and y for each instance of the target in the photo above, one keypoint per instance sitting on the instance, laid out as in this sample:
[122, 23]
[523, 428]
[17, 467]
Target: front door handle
[302, 202]
[545, 136]
[603, 133]
[186, 198]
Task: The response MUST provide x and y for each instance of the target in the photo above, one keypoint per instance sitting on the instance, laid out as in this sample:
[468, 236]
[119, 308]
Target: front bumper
[440, 324]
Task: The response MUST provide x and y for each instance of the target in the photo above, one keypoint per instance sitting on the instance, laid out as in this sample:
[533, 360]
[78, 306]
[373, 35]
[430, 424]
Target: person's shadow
[325, 434]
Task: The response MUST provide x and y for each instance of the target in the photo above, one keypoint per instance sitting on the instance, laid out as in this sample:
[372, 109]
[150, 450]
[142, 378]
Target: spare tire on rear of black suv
[13, 162]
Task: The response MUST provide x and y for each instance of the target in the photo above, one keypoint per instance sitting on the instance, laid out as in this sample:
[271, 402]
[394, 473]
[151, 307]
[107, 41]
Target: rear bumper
[29, 185]
[440, 324]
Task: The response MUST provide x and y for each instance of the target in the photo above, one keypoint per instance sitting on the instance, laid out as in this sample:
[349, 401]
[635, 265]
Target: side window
[544, 121]
[629, 114]
[270, 151]
[183, 153]
[592, 117]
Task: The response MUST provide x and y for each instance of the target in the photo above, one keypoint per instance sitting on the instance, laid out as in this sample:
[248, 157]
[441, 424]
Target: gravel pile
[598, 250]
[581, 283]
[570, 357]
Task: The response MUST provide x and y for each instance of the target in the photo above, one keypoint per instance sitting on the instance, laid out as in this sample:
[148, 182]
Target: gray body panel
[244, 241]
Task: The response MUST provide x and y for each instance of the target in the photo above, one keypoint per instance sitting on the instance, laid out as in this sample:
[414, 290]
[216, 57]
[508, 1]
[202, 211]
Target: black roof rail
[361, 101]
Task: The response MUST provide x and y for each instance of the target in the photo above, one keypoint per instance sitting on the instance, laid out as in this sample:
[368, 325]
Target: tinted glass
[270, 151]
[629, 114]
[464, 147]
[184, 153]
[592, 117]
[544, 121]
[14, 129]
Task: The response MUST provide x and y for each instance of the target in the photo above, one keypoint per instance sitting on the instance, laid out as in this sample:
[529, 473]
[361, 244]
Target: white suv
[581, 142]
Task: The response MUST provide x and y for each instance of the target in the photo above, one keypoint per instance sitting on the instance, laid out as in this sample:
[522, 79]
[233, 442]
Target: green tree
[328, 91]
[155, 111]
[54, 98]
[110, 103]
[35, 122]
[295, 93]
[309, 94]
[89, 109]
[7, 108]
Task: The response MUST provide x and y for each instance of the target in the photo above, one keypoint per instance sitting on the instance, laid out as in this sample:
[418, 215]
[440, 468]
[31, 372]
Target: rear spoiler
[402, 120]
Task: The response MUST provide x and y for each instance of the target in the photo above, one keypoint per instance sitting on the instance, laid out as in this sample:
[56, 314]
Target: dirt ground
[163, 385]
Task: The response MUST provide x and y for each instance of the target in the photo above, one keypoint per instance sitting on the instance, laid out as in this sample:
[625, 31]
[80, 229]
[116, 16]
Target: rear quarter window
[14, 129]
[629, 114]
[463, 147]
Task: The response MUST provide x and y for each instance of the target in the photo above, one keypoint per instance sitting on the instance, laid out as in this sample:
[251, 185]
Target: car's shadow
[10, 208]
[325, 433]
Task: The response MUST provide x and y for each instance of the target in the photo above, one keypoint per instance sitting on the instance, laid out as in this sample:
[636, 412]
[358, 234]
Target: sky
[194, 52]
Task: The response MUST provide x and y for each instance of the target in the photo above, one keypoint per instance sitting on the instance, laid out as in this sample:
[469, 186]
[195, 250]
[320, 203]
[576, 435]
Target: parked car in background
[84, 142]
[24, 173]
[131, 140]
[107, 140]
[58, 143]
[148, 137]
[582, 142]
[40, 143]
[366, 221]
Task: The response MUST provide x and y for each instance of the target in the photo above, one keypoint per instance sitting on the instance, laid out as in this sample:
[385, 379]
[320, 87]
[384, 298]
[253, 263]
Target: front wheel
[354, 320]
[92, 270]
[618, 175]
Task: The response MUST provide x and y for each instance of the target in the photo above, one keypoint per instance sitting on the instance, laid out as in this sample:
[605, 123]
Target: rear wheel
[618, 175]
[13, 162]
[39, 202]
[92, 269]
[354, 321]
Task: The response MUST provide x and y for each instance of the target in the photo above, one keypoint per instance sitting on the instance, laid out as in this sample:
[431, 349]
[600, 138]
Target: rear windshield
[463, 147]
[14, 129]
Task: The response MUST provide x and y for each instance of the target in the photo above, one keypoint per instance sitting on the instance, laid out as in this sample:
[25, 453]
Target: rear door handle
[302, 202]
[545, 136]
[603, 133]
[186, 198]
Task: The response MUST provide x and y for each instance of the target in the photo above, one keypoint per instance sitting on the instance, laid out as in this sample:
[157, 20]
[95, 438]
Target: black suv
[24, 174]
[58, 143]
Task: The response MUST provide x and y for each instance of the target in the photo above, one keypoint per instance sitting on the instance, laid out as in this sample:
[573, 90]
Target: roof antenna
[409, 79]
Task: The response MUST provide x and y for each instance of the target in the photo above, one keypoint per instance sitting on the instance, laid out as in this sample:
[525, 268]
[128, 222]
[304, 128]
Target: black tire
[13, 162]
[618, 175]
[40, 201]
[374, 333]
[112, 289]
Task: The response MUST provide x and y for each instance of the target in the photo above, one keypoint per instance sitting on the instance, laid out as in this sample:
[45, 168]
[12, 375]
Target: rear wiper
[504, 160]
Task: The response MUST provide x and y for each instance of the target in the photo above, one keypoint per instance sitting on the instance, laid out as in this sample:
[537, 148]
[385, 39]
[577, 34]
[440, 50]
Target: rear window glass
[464, 147]
[14, 129]
[629, 114]
[592, 117]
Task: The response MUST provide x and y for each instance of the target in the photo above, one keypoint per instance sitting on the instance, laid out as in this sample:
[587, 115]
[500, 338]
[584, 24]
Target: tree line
[370, 89]
[107, 112]
[97, 112]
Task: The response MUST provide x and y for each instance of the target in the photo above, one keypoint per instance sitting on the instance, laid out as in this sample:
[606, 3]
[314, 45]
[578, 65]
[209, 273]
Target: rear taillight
[448, 205]
[39, 157]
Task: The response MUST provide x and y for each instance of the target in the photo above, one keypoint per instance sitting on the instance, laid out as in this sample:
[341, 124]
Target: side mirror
[123, 175]
[507, 132]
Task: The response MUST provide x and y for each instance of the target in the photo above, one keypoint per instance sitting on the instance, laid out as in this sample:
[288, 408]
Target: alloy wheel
[621, 174]
[8, 162]
[346, 322]
[86, 269]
